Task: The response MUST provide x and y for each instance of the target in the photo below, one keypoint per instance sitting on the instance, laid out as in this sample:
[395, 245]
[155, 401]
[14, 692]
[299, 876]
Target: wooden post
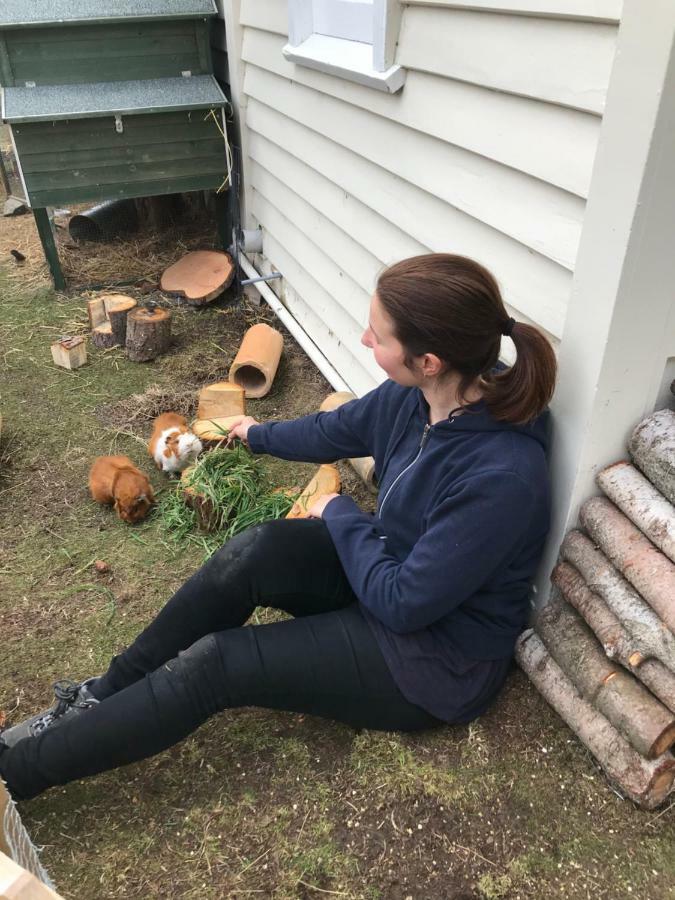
[44, 228]
[148, 333]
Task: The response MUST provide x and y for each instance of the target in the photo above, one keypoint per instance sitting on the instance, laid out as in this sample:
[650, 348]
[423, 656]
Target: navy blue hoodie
[443, 569]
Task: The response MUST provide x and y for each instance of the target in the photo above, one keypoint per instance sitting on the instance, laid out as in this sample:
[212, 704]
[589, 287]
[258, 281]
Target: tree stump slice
[148, 333]
[646, 782]
[199, 276]
[108, 319]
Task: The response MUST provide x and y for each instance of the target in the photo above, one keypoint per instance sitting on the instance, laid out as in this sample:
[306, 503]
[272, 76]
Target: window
[353, 39]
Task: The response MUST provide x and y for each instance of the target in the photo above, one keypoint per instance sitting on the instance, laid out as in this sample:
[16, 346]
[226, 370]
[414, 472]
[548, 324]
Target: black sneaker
[72, 697]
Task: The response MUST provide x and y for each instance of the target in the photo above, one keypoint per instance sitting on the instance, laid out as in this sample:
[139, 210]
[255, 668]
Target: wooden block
[199, 276]
[325, 481]
[108, 319]
[69, 352]
[221, 399]
[214, 429]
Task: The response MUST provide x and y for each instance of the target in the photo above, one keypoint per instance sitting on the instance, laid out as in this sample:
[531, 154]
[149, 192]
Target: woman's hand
[239, 428]
[316, 509]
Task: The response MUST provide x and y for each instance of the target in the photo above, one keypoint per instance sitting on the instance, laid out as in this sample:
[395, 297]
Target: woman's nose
[365, 338]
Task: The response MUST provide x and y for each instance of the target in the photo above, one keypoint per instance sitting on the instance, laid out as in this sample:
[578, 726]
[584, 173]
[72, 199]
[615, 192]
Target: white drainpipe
[293, 326]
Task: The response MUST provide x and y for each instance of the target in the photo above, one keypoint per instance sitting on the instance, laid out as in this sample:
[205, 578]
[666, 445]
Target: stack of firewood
[602, 652]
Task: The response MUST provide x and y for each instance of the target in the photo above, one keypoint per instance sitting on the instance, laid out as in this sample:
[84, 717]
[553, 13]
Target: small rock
[101, 566]
[14, 207]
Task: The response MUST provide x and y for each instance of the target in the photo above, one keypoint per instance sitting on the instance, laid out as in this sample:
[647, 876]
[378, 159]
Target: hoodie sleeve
[320, 437]
[469, 535]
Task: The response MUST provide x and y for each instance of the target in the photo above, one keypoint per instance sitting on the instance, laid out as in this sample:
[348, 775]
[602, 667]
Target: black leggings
[196, 659]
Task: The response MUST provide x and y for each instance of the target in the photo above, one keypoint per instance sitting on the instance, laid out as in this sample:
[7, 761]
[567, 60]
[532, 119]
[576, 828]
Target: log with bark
[652, 447]
[199, 276]
[652, 637]
[638, 499]
[643, 720]
[634, 555]
[645, 782]
[108, 319]
[616, 640]
[148, 333]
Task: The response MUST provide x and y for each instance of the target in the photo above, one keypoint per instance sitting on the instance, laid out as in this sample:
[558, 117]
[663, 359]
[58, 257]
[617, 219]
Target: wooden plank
[547, 141]
[6, 74]
[80, 72]
[220, 65]
[110, 175]
[109, 156]
[583, 10]
[537, 290]
[201, 35]
[530, 211]
[59, 196]
[562, 62]
[114, 33]
[268, 15]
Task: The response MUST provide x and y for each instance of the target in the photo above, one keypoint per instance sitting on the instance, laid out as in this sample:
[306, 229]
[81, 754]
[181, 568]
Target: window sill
[350, 60]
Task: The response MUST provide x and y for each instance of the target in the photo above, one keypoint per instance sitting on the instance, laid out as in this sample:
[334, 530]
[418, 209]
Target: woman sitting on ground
[402, 620]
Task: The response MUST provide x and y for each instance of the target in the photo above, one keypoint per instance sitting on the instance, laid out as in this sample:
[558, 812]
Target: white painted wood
[323, 194]
[537, 214]
[615, 343]
[563, 62]
[538, 287]
[386, 28]
[342, 59]
[584, 10]
[276, 15]
[554, 144]
[351, 20]
[234, 33]
[300, 20]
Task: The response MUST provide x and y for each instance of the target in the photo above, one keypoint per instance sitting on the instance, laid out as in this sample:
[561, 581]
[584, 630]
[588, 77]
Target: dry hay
[135, 412]
[20, 233]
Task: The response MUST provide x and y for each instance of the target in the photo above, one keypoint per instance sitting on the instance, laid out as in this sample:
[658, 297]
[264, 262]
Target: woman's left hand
[316, 509]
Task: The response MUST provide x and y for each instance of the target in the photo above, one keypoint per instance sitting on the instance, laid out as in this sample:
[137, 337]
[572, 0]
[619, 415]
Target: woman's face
[387, 350]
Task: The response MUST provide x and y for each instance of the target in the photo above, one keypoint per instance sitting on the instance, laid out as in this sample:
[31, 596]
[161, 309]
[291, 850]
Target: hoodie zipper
[425, 435]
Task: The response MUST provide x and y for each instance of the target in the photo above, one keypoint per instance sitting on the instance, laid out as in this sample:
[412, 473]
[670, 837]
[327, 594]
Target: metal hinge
[119, 125]
[186, 73]
[30, 84]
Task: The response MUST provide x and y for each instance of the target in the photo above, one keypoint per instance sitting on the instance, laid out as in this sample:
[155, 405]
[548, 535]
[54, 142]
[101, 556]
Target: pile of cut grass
[236, 491]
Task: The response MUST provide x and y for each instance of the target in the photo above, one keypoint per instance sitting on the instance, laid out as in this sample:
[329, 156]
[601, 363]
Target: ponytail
[522, 392]
[451, 306]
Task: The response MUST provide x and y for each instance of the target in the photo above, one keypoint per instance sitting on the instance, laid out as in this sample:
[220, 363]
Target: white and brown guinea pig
[172, 445]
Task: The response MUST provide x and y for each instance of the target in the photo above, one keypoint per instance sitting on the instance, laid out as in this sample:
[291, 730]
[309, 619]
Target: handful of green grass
[230, 491]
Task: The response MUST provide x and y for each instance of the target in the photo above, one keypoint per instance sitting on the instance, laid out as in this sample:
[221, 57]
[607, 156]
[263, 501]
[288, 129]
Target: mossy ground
[258, 803]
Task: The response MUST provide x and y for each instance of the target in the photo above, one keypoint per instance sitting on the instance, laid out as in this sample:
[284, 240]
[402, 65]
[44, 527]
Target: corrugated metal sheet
[52, 102]
[20, 13]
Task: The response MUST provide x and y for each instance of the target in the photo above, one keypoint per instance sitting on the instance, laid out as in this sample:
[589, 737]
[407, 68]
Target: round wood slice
[148, 333]
[199, 276]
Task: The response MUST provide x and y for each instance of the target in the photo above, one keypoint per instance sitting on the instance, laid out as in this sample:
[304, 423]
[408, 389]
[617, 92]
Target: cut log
[616, 640]
[326, 480]
[638, 499]
[108, 319]
[221, 399]
[643, 720]
[652, 637]
[647, 569]
[148, 333]
[207, 514]
[69, 352]
[364, 466]
[257, 360]
[646, 783]
[199, 276]
[215, 429]
[652, 446]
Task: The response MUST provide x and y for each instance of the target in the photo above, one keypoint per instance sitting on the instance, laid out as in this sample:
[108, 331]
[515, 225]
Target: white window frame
[352, 39]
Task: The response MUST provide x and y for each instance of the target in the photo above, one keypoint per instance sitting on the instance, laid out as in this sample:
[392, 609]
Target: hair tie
[507, 328]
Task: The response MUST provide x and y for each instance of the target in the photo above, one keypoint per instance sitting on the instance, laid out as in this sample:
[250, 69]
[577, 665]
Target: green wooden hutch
[110, 99]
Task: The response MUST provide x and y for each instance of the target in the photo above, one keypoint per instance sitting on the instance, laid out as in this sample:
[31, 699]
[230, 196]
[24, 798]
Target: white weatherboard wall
[487, 151]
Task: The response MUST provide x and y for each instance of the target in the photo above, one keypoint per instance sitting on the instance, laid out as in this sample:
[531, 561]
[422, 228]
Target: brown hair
[451, 306]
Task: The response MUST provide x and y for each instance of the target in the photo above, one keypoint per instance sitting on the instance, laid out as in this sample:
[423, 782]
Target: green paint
[49, 246]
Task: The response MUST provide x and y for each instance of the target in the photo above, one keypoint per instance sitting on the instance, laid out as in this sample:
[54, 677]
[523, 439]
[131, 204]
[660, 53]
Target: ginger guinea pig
[115, 480]
[172, 445]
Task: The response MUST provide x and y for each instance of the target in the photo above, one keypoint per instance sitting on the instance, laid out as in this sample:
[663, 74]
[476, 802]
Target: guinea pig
[115, 480]
[172, 445]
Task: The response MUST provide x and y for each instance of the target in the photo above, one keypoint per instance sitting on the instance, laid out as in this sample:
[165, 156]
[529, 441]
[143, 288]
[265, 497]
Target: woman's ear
[431, 365]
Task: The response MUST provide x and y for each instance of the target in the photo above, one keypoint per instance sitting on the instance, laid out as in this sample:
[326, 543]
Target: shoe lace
[67, 695]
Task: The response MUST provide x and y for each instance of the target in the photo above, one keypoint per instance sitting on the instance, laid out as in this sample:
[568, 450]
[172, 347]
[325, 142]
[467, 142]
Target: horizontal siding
[584, 10]
[566, 63]
[499, 127]
[534, 288]
[487, 152]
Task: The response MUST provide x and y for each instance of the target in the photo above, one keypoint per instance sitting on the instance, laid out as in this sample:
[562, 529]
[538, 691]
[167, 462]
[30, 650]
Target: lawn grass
[259, 803]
